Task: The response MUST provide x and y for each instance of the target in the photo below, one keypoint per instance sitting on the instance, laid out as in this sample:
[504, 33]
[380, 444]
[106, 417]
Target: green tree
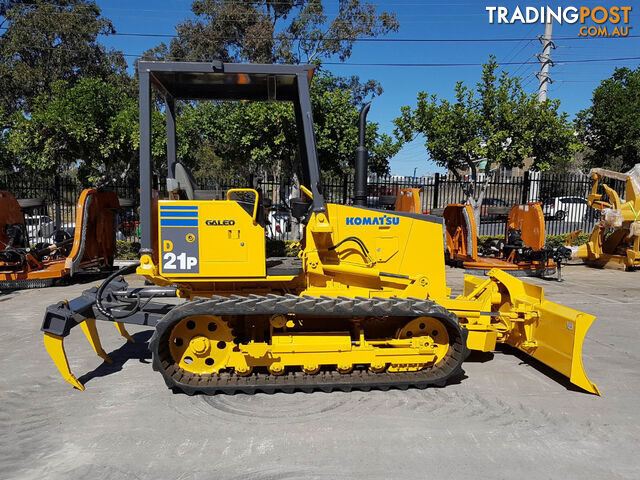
[276, 31]
[90, 127]
[46, 41]
[273, 31]
[6, 160]
[261, 138]
[610, 127]
[497, 124]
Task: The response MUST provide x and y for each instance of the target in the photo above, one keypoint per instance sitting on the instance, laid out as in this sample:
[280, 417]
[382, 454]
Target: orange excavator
[91, 246]
[521, 252]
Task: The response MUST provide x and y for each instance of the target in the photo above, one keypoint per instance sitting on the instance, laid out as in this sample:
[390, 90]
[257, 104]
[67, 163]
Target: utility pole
[545, 60]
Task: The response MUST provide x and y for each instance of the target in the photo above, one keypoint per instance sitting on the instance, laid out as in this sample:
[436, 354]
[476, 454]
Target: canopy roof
[226, 81]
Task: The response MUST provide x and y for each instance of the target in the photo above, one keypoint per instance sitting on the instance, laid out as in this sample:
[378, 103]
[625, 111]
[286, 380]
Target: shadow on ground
[128, 351]
[479, 357]
[540, 367]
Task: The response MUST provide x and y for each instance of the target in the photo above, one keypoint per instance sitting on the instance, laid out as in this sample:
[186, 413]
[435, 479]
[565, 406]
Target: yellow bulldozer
[365, 305]
[615, 240]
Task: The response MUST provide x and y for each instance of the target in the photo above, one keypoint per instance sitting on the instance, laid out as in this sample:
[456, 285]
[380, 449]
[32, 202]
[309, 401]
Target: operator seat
[183, 180]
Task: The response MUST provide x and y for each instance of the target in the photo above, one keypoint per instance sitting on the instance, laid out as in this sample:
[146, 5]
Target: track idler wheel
[426, 332]
[201, 344]
[430, 330]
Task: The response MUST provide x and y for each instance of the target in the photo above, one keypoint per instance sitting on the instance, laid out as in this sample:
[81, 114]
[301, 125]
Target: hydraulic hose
[122, 271]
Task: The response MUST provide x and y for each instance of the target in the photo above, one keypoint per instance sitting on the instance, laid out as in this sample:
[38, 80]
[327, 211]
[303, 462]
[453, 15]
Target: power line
[586, 60]
[368, 40]
[522, 48]
[373, 40]
[576, 81]
[523, 66]
[242, 2]
[526, 84]
[519, 51]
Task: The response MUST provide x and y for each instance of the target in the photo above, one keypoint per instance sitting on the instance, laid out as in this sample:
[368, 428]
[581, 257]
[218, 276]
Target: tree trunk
[275, 193]
[474, 192]
[297, 227]
[476, 206]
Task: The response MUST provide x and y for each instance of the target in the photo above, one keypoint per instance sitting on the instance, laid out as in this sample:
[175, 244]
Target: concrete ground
[507, 418]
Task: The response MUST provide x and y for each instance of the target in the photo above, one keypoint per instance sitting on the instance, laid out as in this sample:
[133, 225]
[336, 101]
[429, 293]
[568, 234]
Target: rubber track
[178, 379]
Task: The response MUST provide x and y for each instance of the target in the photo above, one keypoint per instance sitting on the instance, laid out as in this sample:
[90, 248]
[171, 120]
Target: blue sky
[432, 19]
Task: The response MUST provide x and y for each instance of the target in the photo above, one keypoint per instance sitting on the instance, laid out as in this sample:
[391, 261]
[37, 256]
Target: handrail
[255, 203]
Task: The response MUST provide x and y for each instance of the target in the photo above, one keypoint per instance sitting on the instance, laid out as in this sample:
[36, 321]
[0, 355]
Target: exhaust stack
[362, 160]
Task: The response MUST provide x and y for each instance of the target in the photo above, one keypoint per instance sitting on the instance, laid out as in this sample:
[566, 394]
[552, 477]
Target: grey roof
[225, 81]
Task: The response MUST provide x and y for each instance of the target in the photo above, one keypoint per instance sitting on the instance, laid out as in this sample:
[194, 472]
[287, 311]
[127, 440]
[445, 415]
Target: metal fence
[50, 204]
[563, 198]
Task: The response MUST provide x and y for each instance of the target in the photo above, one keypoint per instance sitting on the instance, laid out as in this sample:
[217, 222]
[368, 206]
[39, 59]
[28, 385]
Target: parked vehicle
[39, 226]
[68, 230]
[487, 212]
[382, 202]
[129, 223]
[568, 209]
[278, 222]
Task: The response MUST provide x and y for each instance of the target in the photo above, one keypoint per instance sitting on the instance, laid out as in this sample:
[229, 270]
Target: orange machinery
[521, 251]
[92, 245]
[409, 200]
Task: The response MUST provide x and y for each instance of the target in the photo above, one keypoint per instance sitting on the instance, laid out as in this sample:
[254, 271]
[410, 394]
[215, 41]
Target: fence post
[57, 196]
[436, 190]
[345, 189]
[525, 187]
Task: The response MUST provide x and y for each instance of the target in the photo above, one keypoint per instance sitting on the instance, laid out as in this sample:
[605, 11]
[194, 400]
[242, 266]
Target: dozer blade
[524, 319]
[559, 336]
